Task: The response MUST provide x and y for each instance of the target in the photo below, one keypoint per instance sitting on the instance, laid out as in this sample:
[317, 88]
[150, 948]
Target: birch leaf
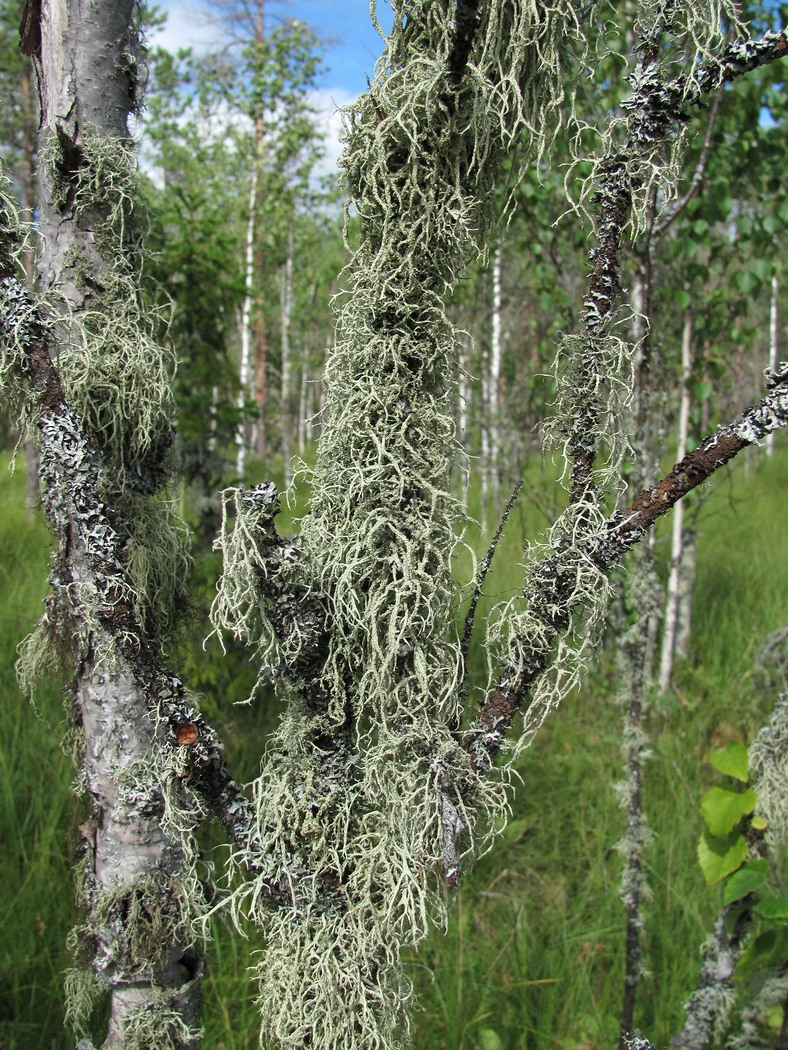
[732, 760]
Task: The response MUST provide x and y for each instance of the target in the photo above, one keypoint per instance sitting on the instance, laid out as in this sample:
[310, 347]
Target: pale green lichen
[248, 543]
[113, 366]
[18, 317]
[751, 1036]
[158, 1025]
[157, 560]
[83, 991]
[366, 786]
[769, 774]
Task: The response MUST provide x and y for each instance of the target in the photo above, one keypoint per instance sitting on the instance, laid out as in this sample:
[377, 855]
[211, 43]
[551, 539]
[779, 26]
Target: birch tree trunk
[135, 935]
[672, 601]
[246, 329]
[494, 388]
[302, 395]
[773, 344]
[286, 306]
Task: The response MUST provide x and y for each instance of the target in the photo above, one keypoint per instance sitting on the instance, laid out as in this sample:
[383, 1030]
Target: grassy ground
[533, 954]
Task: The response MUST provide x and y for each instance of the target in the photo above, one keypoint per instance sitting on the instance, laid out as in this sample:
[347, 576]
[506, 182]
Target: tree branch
[77, 466]
[622, 531]
[738, 58]
[668, 218]
[481, 576]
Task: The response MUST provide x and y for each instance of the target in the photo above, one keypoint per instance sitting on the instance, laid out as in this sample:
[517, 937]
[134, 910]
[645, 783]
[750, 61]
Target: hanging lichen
[366, 788]
[769, 774]
[114, 368]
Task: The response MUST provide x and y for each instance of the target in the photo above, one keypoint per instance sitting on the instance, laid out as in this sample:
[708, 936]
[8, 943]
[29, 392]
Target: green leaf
[723, 809]
[775, 909]
[770, 224]
[683, 300]
[761, 268]
[745, 281]
[719, 857]
[732, 760]
[759, 823]
[489, 1039]
[750, 876]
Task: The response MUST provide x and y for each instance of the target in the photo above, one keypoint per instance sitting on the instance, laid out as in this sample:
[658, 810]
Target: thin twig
[667, 220]
[481, 576]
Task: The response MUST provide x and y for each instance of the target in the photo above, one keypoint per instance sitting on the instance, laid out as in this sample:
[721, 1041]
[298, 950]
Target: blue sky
[352, 44]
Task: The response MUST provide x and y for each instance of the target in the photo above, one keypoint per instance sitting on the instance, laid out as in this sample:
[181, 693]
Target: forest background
[535, 951]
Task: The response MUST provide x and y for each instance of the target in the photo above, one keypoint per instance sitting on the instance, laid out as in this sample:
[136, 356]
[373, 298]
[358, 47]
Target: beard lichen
[367, 788]
[113, 365]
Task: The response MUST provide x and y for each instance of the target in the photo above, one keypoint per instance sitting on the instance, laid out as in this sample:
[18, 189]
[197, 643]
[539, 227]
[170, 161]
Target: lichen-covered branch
[550, 592]
[738, 59]
[362, 785]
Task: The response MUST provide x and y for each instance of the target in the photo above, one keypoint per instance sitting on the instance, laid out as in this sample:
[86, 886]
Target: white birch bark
[672, 600]
[285, 311]
[246, 329]
[87, 83]
[494, 387]
[463, 401]
[773, 345]
[484, 436]
[302, 392]
[689, 552]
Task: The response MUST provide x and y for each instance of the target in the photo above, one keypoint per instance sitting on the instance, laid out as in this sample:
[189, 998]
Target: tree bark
[136, 928]
[246, 329]
[286, 309]
[773, 351]
[677, 539]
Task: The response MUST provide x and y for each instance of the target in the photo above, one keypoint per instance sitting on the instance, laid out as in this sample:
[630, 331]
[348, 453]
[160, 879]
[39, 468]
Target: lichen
[111, 360]
[366, 787]
[769, 774]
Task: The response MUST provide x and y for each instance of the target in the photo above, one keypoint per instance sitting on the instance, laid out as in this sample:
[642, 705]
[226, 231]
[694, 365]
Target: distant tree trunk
[286, 307]
[246, 329]
[672, 601]
[494, 390]
[134, 936]
[464, 344]
[689, 554]
[773, 344]
[302, 394]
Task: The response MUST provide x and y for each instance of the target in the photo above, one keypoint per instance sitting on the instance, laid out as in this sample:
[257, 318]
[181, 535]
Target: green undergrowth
[38, 828]
[533, 957]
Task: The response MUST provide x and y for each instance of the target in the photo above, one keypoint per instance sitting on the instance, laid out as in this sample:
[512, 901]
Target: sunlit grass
[533, 956]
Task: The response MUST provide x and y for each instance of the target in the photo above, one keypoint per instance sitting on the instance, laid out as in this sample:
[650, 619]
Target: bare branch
[481, 576]
[668, 218]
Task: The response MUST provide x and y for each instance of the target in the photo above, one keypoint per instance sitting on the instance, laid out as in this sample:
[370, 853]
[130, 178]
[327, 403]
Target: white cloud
[187, 25]
[326, 102]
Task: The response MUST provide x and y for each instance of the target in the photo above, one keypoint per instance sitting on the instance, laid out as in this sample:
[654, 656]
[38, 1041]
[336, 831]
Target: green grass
[533, 956]
[36, 806]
